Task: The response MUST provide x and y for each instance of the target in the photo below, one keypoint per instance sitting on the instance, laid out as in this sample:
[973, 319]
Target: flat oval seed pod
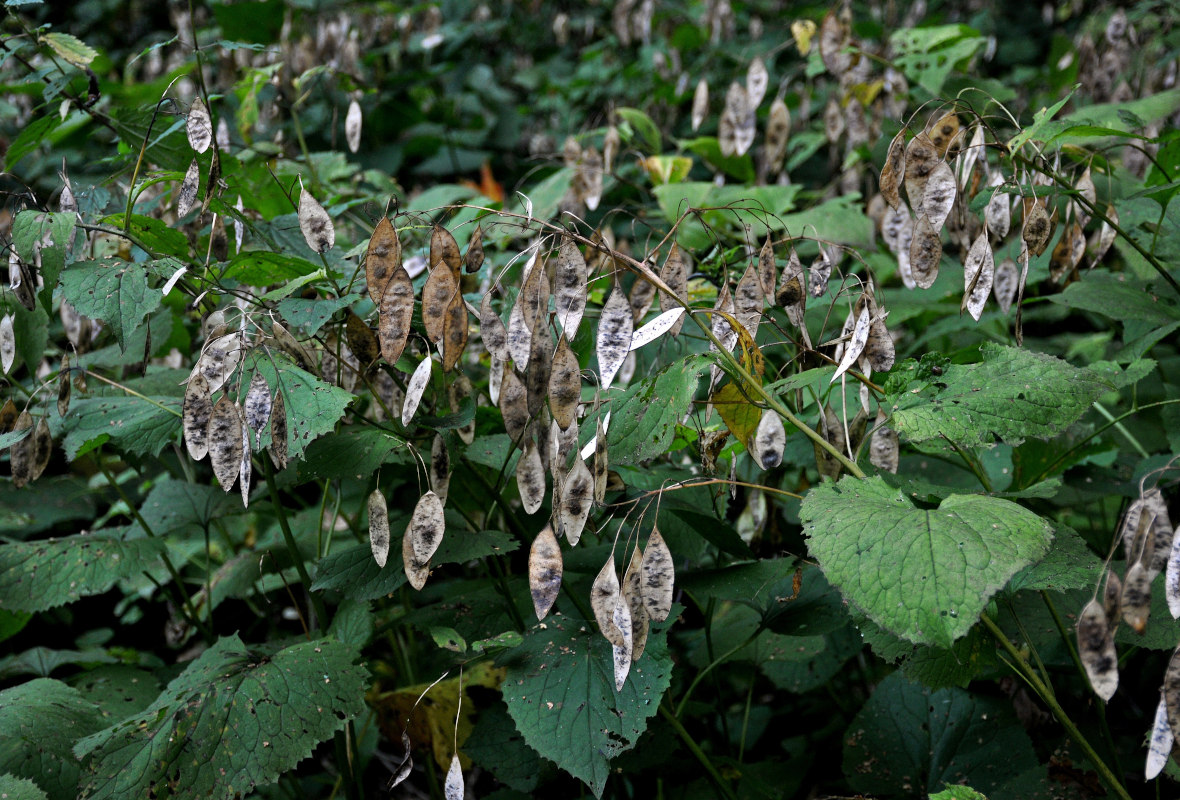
[791, 294]
[1161, 530]
[459, 390]
[737, 126]
[700, 103]
[225, 442]
[536, 377]
[534, 295]
[1004, 284]
[770, 439]
[653, 330]
[473, 258]
[658, 573]
[978, 272]
[246, 465]
[378, 527]
[748, 299]
[925, 253]
[767, 270]
[1112, 597]
[437, 293]
[1172, 692]
[590, 175]
[632, 589]
[621, 654]
[939, 194]
[455, 331]
[571, 288]
[545, 569]
[186, 198]
[444, 248]
[1102, 240]
[453, 787]
[530, 477]
[820, 273]
[314, 222]
[1096, 650]
[396, 314]
[63, 386]
[219, 360]
[944, 132]
[565, 385]
[289, 345]
[382, 259]
[883, 446]
[361, 340]
[42, 449]
[427, 526]
[674, 273]
[492, 330]
[921, 156]
[195, 414]
[199, 126]
[7, 343]
[880, 349]
[416, 571]
[1084, 187]
[1061, 261]
[8, 416]
[601, 462]
[998, 214]
[415, 389]
[519, 339]
[577, 495]
[855, 346]
[641, 297]
[1159, 749]
[1136, 598]
[778, 131]
[832, 38]
[440, 468]
[604, 596]
[21, 454]
[757, 80]
[278, 432]
[352, 126]
[614, 336]
[1038, 228]
[893, 170]
[514, 404]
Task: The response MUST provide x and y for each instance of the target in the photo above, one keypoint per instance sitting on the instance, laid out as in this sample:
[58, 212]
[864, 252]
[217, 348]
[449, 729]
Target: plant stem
[1104, 772]
[692, 747]
[292, 548]
[716, 663]
[1118, 426]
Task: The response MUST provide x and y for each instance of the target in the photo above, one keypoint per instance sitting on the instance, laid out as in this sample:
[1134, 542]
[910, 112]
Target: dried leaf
[939, 195]
[278, 432]
[473, 258]
[604, 597]
[530, 477]
[615, 327]
[1096, 649]
[1159, 749]
[674, 274]
[565, 384]
[770, 439]
[225, 442]
[444, 248]
[427, 525]
[186, 198]
[1136, 598]
[514, 406]
[415, 389]
[700, 103]
[921, 157]
[1004, 284]
[453, 787]
[7, 343]
[395, 315]
[893, 171]
[382, 259]
[315, 223]
[978, 271]
[577, 494]
[440, 468]
[757, 80]
[352, 128]
[199, 127]
[378, 527]
[545, 570]
[883, 446]
[925, 253]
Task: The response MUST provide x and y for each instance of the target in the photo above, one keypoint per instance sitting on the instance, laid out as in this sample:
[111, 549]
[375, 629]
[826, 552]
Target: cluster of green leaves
[915, 626]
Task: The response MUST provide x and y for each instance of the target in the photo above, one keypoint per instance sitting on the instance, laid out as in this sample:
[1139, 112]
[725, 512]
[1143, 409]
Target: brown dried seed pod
[767, 270]
[604, 596]
[1061, 261]
[7, 343]
[921, 156]
[315, 223]
[1101, 241]
[21, 455]
[757, 79]
[571, 288]
[427, 525]
[880, 350]
[778, 131]
[382, 259]
[1038, 228]
[1136, 598]
[820, 273]
[455, 332]
[925, 253]
[1096, 649]
[632, 590]
[833, 37]
[545, 570]
[577, 494]
[440, 467]
[195, 414]
[416, 571]
[1112, 597]
[444, 248]
[473, 258]
[641, 297]
[700, 103]
[674, 273]
[218, 239]
[1004, 284]
[615, 327]
[944, 132]
[748, 299]
[939, 194]
[63, 386]
[42, 448]
[519, 337]
[893, 170]
[1159, 749]
[1161, 530]
[225, 442]
[1087, 191]
[246, 465]
[514, 406]
[492, 330]
[378, 527]
[8, 416]
[199, 127]
[415, 389]
[289, 345]
[439, 290]
[589, 180]
[361, 340]
[1172, 692]
[396, 314]
[186, 198]
[883, 447]
[979, 270]
[601, 462]
[278, 432]
[530, 477]
[658, 573]
[565, 385]
[769, 441]
[998, 214]
[219, 359]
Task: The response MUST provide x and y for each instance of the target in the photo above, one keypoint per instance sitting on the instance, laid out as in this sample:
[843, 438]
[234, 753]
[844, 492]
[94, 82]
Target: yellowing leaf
[71, 48]
[741, 416]
[803, 30]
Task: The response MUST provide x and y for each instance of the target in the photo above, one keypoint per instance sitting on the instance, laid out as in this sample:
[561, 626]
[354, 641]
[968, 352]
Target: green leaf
[39, 506]
[179, 507]
[560, 690]
[1012, 393]
[50, 233]
[119, 690]
[154, 233]
[313, 406]
[38, 575]
[643, 419]
[310, 315]
[1119, 300]
[233, 720]
[908, 739]
[923, 575]
[71, 48]
[31, 329]
[42, 661]
[30, 139]
[116, 293]
[260, 268]
[498, 747]
[39, 722]
[709, 148]
[927, 55]
[133, 424]
[351, 454]
[12, 623]
[958, 793]
[643, 126]
[14, 788]
[1040, 122]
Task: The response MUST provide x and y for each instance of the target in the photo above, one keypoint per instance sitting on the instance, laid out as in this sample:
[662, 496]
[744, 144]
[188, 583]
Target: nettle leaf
[115, 292]
[39, 722]
[51, 234]
[35, 576]
[910, 740]
[643, 419]
[310, 315]
[233, 720]
[560, 690]
[1012, 393]
[14, 788]
[352, 454]
[260, 268]
[923, 575]
[133, 424]
[313, 406]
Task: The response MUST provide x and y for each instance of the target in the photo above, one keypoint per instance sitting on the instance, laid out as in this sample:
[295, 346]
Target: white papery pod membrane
[514, 404]
[220, 358]
[674, 274]
[495, 380]
[258, 405]
[778, 132]
[577, 495]
[939, 195]
[7, 343]
[1136, 598]
[748, 300]
[884, 449]
[225, 442]
[1004, 284]
[195, 414]
[571, 288]
[1159, 748]
[545, 570]
[239, 226]
[246, 467]
[622, 653]
[657, 328]
[415, 389]
[1172, 692]
[1096, 650]
[352, 126]
[453, 787]
[1085, 189]
[979, 270]
[820, 273]
[1172, 576]
[1161, 530]
[769, 440]
[378, 527]
[998, 213]
[314, 222]
[632, 589]
[893, 172]
[700, 103]
[925, 253]
[658, 573]
[601, 462]
[615, 327]
[186, 198]
[855, 346]
[530, 477]
[735, 132]
[921, 156]
[440, 467]
[427, 525]
[492, 330]
[1102, 240]
[416, 571]
[604, 597]
[965, 161]
[199, 127]
[757, 80]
